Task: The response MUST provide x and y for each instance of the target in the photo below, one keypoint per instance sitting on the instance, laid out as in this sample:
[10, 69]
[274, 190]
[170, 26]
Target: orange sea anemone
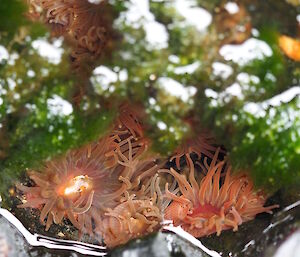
[98, 176]
[75, 186]
[128, 121]
[57, 14]
[132, 169]
[202, 144]
[128, 134]
[86, 26]
[138, 211]
[213, 205]
[90, 31]
[136, 216]
[108, 189]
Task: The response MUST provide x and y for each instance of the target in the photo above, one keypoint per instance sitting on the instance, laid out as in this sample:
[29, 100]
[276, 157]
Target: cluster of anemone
[107, 189]
[115, 190]
[86, 26]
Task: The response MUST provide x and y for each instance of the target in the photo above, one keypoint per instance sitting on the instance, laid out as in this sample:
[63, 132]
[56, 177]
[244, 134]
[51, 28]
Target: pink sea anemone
[213, 205]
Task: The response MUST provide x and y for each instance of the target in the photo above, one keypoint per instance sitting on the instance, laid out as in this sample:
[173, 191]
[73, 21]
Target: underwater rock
[159, 245]
[280, 233]
[291, 247]
[12, 243]
[153, 245]
[265, 236]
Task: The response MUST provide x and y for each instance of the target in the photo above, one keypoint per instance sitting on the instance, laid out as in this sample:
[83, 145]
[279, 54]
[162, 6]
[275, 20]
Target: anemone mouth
[78, 184]
[205, 210]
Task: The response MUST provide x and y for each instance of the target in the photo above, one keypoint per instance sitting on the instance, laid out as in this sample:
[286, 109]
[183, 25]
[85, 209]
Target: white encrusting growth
[187, 69]
[52, 52]
[175, 88]
[138, 14]
[222, 70]
[232, 7]
[259, 109]
[58, 106]
[3, 53]
[250, 50]
[193, 14]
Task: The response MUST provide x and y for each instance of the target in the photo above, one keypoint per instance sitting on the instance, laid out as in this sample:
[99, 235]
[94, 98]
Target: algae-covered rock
[193, 66]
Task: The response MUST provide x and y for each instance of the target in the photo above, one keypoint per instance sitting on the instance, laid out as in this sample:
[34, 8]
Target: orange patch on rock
[290, 46]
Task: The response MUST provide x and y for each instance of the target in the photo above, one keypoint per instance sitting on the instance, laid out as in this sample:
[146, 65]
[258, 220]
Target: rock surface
[265, 236]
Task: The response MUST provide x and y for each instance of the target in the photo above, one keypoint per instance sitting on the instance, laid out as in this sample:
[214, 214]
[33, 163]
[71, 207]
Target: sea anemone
[140, 199]
[128, 135]
[90, 30]
[138, 211]
[136, 216]
[132, 169]
[213, 204]
[128, 121]
[77, 185]
[202, 144]
[86, 26]
[109, 188]
[57, 14]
